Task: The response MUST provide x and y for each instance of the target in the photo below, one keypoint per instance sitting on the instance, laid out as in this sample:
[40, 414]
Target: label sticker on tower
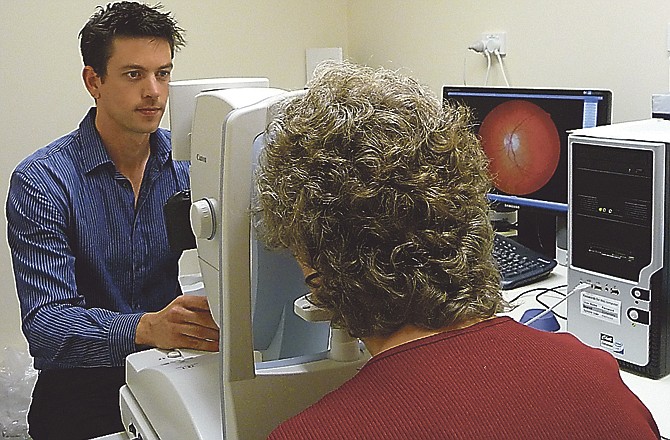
[600, 307]
[609, 343]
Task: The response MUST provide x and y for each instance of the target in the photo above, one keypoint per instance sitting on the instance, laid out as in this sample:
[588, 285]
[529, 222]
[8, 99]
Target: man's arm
[58, 326]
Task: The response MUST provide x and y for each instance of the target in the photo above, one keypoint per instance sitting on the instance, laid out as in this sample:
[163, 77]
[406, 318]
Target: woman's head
[380, 188]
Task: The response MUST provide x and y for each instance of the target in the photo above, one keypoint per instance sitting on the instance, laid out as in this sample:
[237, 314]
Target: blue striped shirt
[88, 262]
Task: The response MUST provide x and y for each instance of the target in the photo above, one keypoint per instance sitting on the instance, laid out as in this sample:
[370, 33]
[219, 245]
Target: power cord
[546, 306]
[578, 288]
[502, 65]
[487, 48]
[542, 291]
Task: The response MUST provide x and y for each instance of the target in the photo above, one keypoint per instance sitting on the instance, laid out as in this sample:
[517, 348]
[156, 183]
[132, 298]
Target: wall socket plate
[495, 40]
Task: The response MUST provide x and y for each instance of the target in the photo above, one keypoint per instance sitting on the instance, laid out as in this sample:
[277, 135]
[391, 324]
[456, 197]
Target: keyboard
[518, 264]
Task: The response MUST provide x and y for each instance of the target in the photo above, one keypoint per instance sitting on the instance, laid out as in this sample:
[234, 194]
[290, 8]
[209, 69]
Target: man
[380, 193]
[95, 277]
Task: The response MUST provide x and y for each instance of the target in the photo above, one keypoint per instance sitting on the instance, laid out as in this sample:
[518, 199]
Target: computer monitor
[524, 132]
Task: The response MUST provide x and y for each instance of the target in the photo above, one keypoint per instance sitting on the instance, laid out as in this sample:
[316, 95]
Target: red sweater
[496, 379]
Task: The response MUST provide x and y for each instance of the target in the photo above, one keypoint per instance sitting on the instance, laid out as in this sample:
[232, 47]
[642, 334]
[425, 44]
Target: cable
[541, 289]
[488, 67]
[546, 306]
[502, 65]
[478, 47]
[482, 46]
[579, 288]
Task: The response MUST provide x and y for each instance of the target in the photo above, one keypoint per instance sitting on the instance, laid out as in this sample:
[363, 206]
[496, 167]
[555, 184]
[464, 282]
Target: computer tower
[618, 243]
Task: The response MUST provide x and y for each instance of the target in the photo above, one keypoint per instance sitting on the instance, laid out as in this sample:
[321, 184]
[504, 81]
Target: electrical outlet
[495, 40]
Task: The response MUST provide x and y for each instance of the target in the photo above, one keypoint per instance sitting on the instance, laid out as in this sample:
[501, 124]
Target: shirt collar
[94, 153]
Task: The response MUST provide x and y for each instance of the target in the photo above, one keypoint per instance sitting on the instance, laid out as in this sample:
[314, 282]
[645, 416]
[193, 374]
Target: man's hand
[185, 323]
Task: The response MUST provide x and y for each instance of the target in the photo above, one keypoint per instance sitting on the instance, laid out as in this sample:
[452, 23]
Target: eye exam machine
[276, 357]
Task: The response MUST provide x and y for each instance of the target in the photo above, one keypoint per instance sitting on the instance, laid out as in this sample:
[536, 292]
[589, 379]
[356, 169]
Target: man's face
[132, 96]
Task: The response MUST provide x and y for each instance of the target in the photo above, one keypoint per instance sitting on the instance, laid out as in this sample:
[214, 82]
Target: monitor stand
[537, 230]
[504, 219]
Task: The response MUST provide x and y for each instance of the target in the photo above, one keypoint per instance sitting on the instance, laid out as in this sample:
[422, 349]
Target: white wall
[570, 43]
[616, 45]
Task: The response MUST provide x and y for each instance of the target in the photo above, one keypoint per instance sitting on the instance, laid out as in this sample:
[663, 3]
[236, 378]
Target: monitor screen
[524, 132]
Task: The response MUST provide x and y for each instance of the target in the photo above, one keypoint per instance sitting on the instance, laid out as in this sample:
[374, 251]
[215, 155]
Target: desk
[655, 394]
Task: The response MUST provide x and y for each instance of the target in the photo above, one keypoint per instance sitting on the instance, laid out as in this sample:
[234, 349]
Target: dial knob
[203, 220]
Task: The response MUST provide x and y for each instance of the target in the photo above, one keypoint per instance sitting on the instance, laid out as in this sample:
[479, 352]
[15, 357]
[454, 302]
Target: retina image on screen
[524, 132]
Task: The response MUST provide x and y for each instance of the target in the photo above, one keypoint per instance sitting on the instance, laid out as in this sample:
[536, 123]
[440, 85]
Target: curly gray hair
[381, 188]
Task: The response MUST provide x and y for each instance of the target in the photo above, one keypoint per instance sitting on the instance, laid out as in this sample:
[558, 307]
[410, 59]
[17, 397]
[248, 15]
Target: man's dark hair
[125, 19]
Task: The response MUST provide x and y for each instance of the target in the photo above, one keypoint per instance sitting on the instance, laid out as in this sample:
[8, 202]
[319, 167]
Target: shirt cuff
[122, 336]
